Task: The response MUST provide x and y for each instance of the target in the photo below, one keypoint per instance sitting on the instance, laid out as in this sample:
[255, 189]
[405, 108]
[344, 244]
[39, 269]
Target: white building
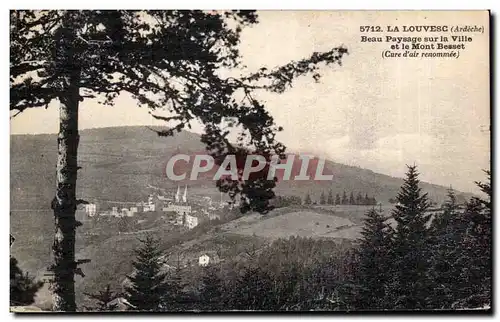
[149, 207]
[180, 219]
[190, 221]
[127, 213]
[212, 216]
[178, 209]
[91, 209]
[203, 260]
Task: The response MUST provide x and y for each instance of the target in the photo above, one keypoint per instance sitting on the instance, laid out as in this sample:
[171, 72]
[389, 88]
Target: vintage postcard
[220, 161]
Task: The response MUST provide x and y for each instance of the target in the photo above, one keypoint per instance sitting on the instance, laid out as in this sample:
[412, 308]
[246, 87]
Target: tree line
[424, 262]
[344, 200]
[285, 275]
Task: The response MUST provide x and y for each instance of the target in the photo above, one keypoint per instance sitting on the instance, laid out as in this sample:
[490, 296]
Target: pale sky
[375, 113]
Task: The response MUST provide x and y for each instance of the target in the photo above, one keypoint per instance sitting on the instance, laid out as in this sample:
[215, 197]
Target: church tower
[178, 194]
[184, 196]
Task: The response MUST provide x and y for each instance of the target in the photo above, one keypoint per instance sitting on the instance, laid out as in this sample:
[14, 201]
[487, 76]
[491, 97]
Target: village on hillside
[176, 209]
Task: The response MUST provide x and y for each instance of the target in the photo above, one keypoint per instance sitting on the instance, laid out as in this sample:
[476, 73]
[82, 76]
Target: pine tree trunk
[64, 203]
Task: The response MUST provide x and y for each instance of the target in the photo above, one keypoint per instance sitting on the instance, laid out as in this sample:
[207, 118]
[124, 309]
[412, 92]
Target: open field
[298, 223]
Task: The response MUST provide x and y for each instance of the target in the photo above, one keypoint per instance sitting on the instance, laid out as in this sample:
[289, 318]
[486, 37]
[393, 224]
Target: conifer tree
[254, 290]
[446, 233]
[345, 201]
[486, 189]
[307, 199]
[461, 253]
[442, 221]
[484, 238]
[322, 198]
[410, 253]
[476, 250]
[373, 270]
[337, 199]
[330, 199]
[211, 294]
[124, 224]
[175, 299]
[366, 201]
[352, 201]
[148, 286]
[103, 299]
[359, 199]
[23, 287]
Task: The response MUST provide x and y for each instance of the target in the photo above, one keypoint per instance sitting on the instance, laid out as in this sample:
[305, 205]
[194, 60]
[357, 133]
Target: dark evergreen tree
[373, 271]
[286, 201]
[23, 287]
[175, 299]
[476, 249]
[148, 286]
[486, 189]
[330, 199]
[254, 290]
[124, 224]
[366, 201]
[337, 199]
[103, 299]
[359, 199]
[410, 253]
[352, 201]
[446, 233]
[212, 290]
[287, 291]
[442, 221]
[461, 253]
[307, 199]
[322, 198]
[345, 201]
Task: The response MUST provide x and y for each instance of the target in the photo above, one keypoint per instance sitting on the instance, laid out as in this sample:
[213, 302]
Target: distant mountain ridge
[119, 162]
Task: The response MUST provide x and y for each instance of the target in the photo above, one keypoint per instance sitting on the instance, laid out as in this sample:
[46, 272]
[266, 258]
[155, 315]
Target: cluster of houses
[187, 214]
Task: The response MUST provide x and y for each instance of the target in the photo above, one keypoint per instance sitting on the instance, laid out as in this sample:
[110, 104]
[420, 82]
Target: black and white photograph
[210, 161]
